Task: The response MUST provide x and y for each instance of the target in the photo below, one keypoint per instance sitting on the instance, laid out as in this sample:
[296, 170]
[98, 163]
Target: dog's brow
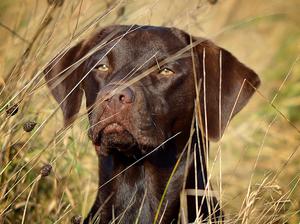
[173, 60]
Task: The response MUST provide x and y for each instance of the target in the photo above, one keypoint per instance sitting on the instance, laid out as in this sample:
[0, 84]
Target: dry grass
[255, 166]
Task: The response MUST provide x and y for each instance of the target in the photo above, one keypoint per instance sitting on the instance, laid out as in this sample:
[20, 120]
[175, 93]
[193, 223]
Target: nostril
[107, 98]
[122, 98]
[110, 96]
[126, 96]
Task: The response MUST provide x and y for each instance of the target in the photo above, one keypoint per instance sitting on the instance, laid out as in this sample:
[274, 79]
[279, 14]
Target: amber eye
[166, 72]
[102, 68]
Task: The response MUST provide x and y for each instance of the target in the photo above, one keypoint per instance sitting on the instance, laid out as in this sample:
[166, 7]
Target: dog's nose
[116, 97]
[124, 96]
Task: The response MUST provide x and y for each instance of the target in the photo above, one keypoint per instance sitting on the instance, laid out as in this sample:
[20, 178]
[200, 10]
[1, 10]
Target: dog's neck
[124, 187]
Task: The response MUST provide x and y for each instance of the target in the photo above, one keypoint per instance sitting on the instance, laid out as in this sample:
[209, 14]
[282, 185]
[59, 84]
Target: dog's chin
[115, 138]
[122, 141]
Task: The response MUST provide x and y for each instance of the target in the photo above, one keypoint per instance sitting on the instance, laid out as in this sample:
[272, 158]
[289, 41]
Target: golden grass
[255, 166]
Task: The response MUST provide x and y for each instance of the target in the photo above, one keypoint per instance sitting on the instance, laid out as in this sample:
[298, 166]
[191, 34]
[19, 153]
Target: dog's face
[139, 84]
[148, 111]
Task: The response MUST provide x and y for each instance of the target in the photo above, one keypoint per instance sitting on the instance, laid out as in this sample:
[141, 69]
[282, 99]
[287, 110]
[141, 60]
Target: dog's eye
[102, 68]
[166, 72]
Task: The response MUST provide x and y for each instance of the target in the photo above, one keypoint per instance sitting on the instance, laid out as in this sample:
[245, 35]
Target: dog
[142, 85]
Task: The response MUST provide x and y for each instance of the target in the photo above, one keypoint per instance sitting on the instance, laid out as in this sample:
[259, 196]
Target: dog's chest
[137, 194]
[131, 199]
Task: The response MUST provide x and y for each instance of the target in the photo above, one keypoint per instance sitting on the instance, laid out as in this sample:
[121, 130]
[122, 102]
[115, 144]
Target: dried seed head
[11, 111]
[46, 170]
[76, 219]
[56, 2]
[29, 126]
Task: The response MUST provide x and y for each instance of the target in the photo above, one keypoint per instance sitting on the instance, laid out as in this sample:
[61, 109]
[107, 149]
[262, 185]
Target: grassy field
[256, 166]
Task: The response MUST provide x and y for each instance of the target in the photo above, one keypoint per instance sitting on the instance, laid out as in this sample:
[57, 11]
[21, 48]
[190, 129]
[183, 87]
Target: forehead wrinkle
[142, 44]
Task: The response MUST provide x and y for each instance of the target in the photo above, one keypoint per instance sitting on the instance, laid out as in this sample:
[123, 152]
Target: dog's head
[140, 85]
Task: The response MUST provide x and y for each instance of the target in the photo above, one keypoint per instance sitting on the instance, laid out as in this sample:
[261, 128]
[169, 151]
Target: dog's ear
[226, 87]
[62, 75]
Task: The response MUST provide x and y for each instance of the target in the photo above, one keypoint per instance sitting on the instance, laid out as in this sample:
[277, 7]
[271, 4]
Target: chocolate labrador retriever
[141, 85]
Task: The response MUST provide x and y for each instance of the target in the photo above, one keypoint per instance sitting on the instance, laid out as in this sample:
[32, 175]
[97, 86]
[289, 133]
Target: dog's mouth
[115, 137]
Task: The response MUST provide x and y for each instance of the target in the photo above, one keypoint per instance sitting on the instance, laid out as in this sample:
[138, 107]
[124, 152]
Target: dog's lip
[113, 128]
[96, 133]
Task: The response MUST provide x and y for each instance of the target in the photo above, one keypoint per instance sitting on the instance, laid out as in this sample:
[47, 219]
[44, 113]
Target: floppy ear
[62, 76]
[228, 86]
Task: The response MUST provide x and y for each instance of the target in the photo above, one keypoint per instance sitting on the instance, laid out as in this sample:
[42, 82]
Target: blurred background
[255, 167]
